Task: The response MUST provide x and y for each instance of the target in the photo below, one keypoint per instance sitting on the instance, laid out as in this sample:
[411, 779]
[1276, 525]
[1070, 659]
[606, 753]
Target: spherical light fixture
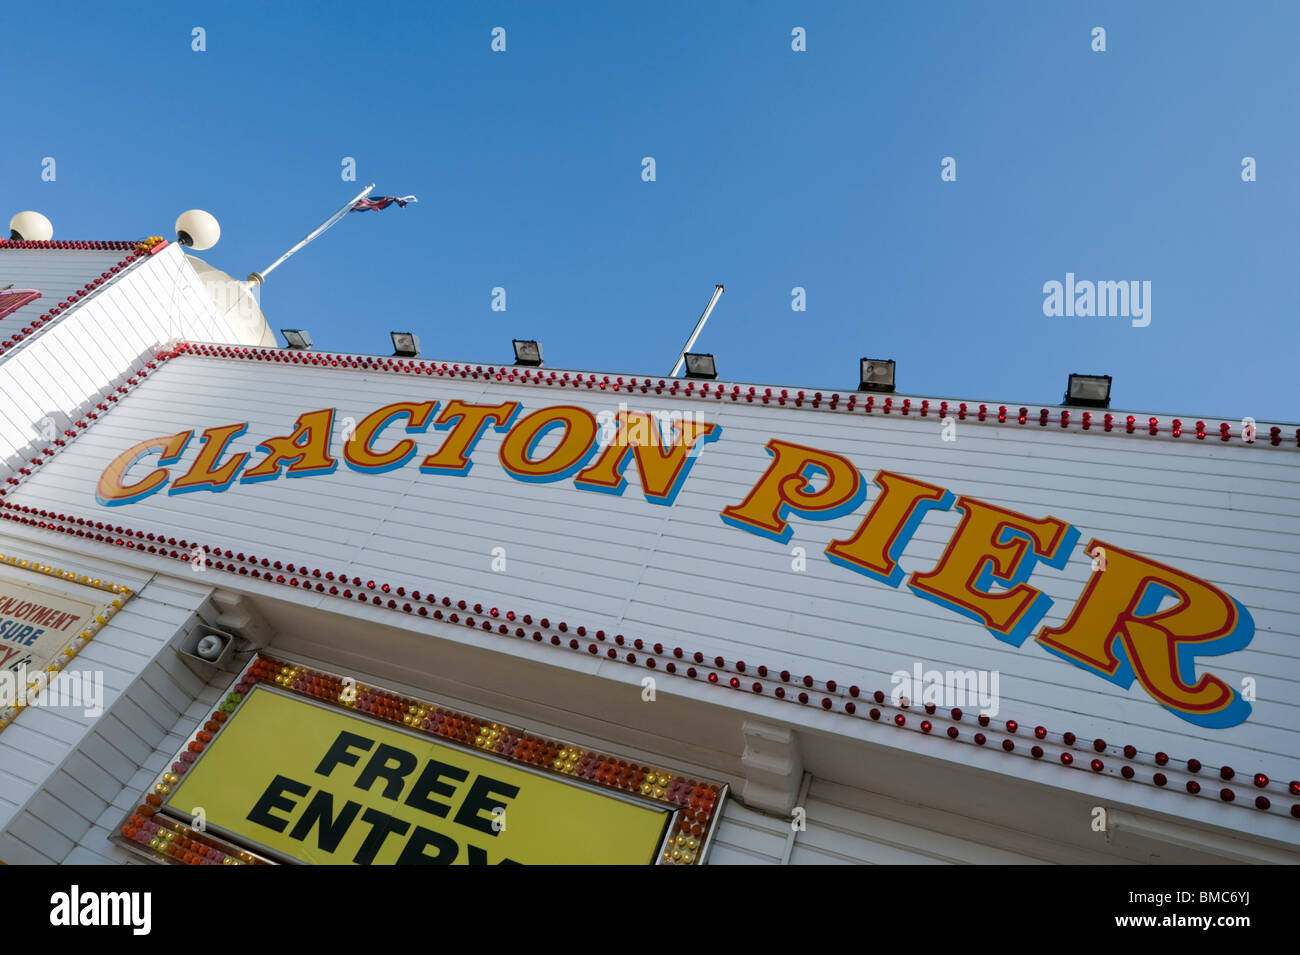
[30, 227]
[197, 229]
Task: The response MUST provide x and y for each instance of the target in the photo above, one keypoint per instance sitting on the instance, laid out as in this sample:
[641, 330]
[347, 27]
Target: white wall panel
[678, 575]
[109, 769]
[746, 837]
[848, 826]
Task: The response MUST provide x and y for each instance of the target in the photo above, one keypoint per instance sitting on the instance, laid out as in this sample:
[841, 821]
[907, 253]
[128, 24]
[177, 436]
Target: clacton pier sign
[1138, 620]
[1087, 601]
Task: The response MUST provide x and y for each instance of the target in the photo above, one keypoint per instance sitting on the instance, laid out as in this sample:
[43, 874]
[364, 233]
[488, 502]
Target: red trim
[80, 245]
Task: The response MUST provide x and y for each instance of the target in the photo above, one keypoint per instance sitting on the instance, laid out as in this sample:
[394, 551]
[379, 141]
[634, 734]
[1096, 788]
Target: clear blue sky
[775, 169]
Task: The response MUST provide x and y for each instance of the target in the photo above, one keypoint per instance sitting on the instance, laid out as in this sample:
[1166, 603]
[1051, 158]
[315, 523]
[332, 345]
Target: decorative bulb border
[694, 802]
[1102, 420]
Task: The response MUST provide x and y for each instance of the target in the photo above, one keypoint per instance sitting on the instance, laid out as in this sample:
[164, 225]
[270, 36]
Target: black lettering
[393, 776]
[338, 752]
[429, 783]
[273, 799]
[414, 854]
[478, 856]
[479, 798]
[382, 825]
[332, 831]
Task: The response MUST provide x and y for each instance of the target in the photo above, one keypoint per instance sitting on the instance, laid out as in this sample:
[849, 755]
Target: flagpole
[257, 278]
[699, 327]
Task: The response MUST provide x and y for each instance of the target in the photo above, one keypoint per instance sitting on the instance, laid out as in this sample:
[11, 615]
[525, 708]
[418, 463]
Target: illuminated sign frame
[113, 598]
[167, 833]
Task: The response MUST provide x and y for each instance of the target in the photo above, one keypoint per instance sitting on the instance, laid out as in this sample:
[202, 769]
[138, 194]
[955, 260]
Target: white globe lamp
[30, 227]
[197, 229]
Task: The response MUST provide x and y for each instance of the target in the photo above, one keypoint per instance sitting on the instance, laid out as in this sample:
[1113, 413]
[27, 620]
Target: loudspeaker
[208, 645]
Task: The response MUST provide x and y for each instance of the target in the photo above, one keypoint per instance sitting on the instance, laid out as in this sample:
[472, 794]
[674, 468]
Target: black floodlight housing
[1089, 391]
[405, 344]
[297, 338]
[528, 353]
[701, 366]
[877, 374]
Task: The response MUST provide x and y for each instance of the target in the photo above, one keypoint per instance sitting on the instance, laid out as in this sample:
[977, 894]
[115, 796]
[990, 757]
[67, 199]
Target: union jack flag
[381, 202]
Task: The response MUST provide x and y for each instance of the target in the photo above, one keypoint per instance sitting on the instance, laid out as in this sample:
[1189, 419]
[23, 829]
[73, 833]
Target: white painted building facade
[882, 628]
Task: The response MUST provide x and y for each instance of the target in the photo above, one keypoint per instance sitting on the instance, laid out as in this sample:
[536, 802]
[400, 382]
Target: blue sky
[774, 169]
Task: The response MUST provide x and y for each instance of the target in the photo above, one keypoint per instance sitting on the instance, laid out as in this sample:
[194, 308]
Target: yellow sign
[321, 786]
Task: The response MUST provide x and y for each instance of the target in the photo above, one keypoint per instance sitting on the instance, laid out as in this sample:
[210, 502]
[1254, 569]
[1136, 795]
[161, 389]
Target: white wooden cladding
[678, 575]
[62, 368]
[72, 812]
[839, 831]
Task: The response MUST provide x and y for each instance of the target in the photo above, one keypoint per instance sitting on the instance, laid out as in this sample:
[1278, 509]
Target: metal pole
[699, 327]
[257, 278]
